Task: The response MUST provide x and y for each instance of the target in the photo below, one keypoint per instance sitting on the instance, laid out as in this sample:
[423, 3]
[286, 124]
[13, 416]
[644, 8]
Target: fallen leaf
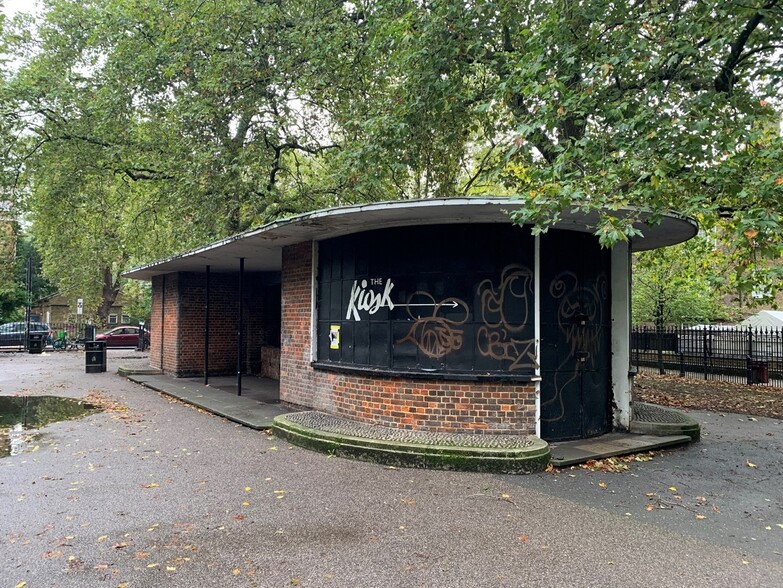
[700, 516]
[751, 465]
[672, 488]
[245, 503]
[239, 517]
[248, 488]
[650, 507]
[236, 572]
[21, 585]
[102, 538]
[602, 484]
[171, 569]
[153, 485]
[523, 538]
[120, 545]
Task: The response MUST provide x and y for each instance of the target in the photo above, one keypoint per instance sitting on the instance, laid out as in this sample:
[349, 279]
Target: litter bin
[95, 356]
[759, 372]
[35, 343]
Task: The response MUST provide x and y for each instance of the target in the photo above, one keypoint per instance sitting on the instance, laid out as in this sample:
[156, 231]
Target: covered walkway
[256, 408]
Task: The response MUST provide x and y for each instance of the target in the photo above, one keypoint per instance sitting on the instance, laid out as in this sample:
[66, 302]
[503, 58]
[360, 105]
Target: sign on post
[79, 306]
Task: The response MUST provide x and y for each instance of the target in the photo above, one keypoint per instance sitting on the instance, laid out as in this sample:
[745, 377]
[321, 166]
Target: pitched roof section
[262, 247]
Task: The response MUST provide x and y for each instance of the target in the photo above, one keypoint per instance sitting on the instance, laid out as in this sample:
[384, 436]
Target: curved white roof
[262, 247]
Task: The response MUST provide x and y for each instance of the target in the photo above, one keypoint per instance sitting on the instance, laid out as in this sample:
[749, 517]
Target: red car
[120, 337]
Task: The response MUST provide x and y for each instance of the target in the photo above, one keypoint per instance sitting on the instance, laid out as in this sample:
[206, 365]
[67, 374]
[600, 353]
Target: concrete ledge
[651, 419]
[412, 448]
[125, 372]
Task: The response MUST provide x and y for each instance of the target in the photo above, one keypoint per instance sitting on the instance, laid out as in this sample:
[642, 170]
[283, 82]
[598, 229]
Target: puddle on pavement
[20, 414]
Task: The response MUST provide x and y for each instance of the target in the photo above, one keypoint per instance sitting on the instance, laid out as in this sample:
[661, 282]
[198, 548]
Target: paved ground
[162, 494]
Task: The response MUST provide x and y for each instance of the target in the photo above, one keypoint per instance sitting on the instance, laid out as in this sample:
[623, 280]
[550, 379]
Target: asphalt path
[157, 493]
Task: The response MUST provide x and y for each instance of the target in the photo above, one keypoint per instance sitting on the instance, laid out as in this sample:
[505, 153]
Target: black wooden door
[575, 337]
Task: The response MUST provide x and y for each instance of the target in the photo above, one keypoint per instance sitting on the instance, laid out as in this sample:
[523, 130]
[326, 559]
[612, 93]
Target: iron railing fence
[77, 331]
[746, 355]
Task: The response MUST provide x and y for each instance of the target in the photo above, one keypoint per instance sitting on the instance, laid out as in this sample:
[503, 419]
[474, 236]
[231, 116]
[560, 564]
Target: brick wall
[440, 406]
[164, 342]
[180, 310]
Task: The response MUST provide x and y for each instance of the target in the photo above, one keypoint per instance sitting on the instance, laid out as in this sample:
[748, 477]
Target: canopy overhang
[261, 248]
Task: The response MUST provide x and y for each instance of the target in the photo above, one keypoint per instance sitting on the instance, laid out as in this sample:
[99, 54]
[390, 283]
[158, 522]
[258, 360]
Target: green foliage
[137, 297]
[591, 106]
[132, 130]
[680, 284]
[14, 294]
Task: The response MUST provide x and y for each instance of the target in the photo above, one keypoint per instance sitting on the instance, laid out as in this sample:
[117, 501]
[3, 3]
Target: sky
[10, 7]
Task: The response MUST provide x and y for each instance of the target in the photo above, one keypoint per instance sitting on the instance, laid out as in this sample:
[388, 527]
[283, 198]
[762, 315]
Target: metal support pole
[240, 328]
[749, 349]
[28, 307]
[161, 329]
[206, 329]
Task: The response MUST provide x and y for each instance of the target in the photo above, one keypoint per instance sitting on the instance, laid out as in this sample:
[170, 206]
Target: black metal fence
[72, 330]
[744, 355]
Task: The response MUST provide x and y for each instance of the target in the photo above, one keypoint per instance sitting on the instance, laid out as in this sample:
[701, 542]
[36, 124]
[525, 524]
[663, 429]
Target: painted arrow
[452, 304]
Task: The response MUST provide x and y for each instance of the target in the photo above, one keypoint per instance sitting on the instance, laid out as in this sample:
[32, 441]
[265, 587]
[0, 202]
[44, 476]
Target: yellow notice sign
[334, 337]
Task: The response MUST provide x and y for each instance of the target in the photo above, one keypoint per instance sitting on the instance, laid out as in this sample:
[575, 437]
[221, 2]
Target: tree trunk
[111, 289]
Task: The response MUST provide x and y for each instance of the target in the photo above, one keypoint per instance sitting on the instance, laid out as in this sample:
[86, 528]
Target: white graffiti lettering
[368, 300]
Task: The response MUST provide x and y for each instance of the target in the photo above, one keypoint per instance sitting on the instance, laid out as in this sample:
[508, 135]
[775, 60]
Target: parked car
[123, 336]
[14, 333]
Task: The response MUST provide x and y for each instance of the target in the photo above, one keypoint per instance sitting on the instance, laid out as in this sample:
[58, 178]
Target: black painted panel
[447, 298]
[575, 336]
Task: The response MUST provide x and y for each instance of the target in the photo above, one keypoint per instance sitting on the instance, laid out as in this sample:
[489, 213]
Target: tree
[591, 106]
[140, 129]
[679, 285]
[200, 119]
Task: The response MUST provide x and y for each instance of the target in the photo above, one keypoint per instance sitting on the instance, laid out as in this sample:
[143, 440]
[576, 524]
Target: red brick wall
[297, 379]
[440, 406]
[180, 311]
[164, 343]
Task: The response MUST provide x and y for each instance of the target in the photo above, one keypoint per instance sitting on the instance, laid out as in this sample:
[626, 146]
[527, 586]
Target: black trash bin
[95, 356]
[759, 372]
[35, 343]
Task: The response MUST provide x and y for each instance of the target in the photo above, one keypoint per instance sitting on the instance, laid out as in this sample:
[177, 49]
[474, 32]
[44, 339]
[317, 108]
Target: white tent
[765, 318]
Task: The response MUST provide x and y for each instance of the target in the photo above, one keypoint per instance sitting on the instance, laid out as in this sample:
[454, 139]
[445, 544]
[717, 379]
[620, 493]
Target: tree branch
[724, 81]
